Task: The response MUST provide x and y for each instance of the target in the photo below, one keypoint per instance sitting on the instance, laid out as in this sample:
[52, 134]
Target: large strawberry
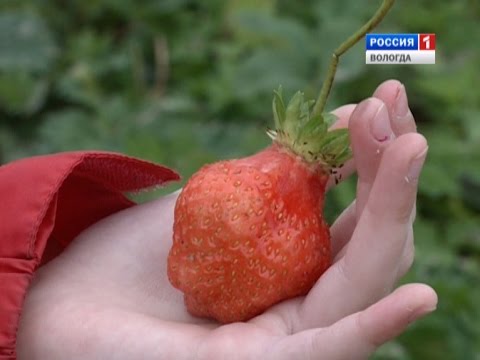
[250, 233]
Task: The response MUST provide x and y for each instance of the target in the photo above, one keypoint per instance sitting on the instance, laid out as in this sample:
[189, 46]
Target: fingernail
[420, 312]
[380, 125]
[401, 104]
[416, 166]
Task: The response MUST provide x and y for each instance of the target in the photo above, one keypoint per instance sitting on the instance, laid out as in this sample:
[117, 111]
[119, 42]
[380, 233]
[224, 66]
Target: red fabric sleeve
[45, 202]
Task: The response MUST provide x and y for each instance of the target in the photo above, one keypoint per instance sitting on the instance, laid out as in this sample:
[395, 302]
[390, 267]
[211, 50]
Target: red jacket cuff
[45, 202]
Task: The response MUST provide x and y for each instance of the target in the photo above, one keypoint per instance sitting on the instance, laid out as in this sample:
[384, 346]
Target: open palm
[108, 296]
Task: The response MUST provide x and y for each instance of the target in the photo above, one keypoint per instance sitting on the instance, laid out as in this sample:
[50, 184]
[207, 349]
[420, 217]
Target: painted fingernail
[401, 104]
[416, 166]
[380, 125]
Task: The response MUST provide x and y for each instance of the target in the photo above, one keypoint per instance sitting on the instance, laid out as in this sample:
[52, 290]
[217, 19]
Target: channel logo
[400, 49]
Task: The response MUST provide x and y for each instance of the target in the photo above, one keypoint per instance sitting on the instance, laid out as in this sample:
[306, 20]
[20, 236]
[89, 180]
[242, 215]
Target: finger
[373, 258]
[409, 249]
[371, 262]
[359, 335]
[408, 255]
[384, 224]
[393, 94]
[343, 113]
[369, 140]
[370, 134]
[342, 229]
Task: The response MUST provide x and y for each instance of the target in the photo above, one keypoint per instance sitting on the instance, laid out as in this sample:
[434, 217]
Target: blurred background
[186, 82]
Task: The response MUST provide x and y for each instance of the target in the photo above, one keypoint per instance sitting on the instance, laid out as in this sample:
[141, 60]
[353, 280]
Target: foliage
[185, 82]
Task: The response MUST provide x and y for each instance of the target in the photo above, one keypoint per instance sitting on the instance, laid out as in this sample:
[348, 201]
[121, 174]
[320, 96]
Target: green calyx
[306, 134]
[302, 126]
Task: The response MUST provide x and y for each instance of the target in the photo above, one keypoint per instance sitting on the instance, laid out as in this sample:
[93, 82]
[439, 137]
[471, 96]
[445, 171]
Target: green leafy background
[186, 82]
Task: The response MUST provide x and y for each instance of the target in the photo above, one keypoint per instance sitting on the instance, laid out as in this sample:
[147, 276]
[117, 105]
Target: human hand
[108, 296]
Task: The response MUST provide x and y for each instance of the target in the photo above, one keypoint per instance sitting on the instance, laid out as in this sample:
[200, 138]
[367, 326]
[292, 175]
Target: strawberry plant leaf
[292, 114]
[278, 108]
[26, 43]
[329, 118]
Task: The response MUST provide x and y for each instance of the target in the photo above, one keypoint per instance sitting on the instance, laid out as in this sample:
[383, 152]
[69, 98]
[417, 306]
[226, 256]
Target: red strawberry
[250, 233]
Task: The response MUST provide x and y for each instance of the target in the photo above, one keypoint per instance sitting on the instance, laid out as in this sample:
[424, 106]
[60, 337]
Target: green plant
[90, 76]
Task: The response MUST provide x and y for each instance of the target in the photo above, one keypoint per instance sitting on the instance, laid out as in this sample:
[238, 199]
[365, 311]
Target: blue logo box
[391, 42]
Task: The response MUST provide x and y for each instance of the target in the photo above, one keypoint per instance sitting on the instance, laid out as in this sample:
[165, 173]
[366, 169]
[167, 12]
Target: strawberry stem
[346, 45]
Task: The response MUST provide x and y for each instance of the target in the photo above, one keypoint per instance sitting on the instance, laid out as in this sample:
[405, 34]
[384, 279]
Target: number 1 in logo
[427, 41]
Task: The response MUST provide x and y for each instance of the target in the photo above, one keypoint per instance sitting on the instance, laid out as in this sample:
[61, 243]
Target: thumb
[359, 335]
